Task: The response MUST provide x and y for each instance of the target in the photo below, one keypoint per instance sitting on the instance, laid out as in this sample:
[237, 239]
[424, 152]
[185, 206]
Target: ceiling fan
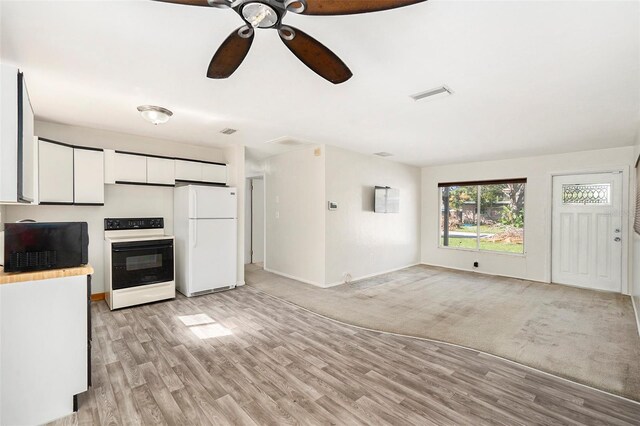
[268, 14]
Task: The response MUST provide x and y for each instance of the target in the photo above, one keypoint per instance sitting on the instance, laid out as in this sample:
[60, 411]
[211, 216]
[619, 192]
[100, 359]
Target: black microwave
[37, 246]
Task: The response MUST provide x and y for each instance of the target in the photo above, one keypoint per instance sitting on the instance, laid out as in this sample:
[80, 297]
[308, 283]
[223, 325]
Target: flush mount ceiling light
[155, 114]
[438, 92]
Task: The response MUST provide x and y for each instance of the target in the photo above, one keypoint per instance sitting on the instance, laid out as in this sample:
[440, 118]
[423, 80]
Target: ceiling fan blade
[231, 53]
[315, 55]
[187, 2]
[350, 7]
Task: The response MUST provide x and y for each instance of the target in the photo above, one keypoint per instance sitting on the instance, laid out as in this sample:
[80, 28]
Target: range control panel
[112, 224]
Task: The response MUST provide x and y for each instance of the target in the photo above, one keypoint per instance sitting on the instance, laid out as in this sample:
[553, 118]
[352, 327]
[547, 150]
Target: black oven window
[139, 263]
[147, 261]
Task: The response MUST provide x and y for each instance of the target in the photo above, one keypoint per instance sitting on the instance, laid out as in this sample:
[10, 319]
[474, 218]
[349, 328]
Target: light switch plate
[333, 205]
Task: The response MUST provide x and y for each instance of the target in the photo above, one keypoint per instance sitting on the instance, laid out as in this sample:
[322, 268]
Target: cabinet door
[160, 171]
[26, 191]
[215, 173]
[188, 170]
[130, 168]
[8, 133]
[88, 176]
[55, 173]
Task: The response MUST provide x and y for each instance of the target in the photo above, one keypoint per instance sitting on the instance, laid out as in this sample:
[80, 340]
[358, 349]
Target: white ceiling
[529, 77]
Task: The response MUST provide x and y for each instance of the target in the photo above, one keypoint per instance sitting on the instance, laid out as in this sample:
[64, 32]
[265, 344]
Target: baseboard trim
[293, 277]
[475, 271]
[376, 274]
[97, 296]
[636, 311]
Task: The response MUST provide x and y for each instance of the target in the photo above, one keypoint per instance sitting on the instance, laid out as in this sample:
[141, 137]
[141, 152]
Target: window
[483, 215]
[596, 193]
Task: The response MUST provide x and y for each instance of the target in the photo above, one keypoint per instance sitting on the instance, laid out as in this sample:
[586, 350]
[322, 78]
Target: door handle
[616, 239]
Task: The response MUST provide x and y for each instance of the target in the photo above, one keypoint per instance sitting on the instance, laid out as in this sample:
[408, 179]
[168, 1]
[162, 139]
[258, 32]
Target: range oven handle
[120, 250]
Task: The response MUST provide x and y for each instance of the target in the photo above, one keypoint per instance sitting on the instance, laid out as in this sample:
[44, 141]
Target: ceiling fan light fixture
[259, 15]
[155, 114]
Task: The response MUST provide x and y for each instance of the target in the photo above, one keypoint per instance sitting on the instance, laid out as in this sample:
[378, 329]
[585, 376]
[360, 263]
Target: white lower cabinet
[44, 352]
[160, 171]
[55, 172]
[88, 176]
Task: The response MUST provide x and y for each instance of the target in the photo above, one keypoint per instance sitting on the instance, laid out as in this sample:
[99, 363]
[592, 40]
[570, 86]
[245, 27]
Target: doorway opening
[254, 235]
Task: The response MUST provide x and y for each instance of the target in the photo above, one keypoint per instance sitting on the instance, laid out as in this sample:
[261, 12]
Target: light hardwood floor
[269, 362]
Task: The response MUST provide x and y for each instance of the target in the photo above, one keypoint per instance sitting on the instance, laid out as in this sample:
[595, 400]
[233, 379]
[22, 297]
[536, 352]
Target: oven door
[139, 263]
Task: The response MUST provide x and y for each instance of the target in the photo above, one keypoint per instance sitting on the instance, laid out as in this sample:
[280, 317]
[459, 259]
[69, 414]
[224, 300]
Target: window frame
[479, 184]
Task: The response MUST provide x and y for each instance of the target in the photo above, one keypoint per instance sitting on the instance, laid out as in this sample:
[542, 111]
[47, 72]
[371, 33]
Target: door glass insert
[591, 193]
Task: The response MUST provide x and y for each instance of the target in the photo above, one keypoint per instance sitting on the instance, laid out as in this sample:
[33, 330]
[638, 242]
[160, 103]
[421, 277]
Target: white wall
[295, 219]
[635, 287]
[247, 221]
[85, 136]
[234, 156]
[128, 200]
[535, 264]
[358, 241]
[120, 201]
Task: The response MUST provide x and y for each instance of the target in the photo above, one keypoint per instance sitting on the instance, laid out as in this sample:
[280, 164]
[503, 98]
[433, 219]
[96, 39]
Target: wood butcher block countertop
[18, 277]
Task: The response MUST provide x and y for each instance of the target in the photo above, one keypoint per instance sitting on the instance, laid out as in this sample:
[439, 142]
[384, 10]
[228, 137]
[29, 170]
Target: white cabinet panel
[8, 133]
[188, 170]
[55, 172]
[44, 349]
[88, 176]
[160, 171]
[27, 192]
[216, 173]
[131, 168]
[109, 166]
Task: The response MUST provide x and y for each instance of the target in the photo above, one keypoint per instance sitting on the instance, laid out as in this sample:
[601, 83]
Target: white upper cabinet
[55, 173]
[214, 173]
[160, 171]
[88, 176]
[27, 164]
[188, 170]
[17, 144]
[196, 171]
[130, 168]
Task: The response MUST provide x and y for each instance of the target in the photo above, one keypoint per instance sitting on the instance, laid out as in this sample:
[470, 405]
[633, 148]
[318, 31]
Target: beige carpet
[582, 335]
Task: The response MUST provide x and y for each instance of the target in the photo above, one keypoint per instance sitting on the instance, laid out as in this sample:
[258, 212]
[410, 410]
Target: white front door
[587, 231]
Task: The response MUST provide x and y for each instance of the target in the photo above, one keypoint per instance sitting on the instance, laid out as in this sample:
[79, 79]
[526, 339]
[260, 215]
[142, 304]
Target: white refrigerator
[206, 238]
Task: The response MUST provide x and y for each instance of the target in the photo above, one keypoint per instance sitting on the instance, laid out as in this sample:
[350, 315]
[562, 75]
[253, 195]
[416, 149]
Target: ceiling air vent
[228, 131]
[438, 92]
[383, 154]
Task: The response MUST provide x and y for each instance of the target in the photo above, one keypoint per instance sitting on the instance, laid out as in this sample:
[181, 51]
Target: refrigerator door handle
[195, 233]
